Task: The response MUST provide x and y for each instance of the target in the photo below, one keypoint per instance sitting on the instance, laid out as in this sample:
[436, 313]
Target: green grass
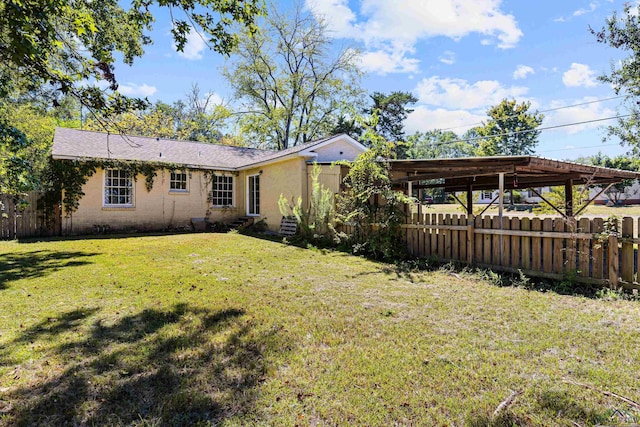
[225, 329]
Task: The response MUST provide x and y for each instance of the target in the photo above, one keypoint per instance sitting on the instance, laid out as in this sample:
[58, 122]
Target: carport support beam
[469, 200]
[409, 211]
[500, 205]
[568, 198]
[470, 225]
[500, 196]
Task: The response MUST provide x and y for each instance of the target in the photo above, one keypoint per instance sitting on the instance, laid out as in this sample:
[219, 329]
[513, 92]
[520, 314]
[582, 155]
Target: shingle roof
[79, 144]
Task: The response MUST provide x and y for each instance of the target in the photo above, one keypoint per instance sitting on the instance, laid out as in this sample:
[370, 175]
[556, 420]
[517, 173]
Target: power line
[576, 148]
[533, 130]
[545, 111]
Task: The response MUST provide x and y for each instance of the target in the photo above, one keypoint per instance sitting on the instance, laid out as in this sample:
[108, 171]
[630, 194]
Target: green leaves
[65, 43]
[437, 144]
[510, 130]
[621, 32]
[291, 87]
[370, 203]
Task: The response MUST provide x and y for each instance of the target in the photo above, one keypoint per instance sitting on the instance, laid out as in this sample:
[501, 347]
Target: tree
[616, 191]
[437, 144]
[196, 118]
[24, 148]
[621, 32]
[55, 49]
[510, 130]
[291, 87]
[67, 43]
[348, 125]
[392, 111]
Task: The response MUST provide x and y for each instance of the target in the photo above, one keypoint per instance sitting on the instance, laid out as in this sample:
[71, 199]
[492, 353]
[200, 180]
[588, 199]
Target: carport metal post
[568, 198]
[409, 218]
[500, 205]
[470, 225]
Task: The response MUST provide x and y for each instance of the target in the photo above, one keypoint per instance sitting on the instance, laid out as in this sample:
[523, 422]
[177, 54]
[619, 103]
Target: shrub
[317, 220]
[370, 204]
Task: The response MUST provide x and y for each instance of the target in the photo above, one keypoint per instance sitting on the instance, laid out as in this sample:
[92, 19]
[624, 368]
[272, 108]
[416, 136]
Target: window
[178, 181]
[222, 190]
[487, 195]
[118, 188]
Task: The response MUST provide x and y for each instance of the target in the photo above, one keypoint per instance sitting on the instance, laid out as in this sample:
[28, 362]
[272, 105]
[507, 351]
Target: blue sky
[459, 57]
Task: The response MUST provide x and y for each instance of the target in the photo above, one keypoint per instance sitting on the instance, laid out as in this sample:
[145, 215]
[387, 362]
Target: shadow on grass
[406, 268]
[559, 405]
[183, 366]
[29, 265]
[559, 402]
[106, 236]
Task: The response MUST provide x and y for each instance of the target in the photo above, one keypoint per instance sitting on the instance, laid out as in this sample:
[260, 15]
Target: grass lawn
[226, 329]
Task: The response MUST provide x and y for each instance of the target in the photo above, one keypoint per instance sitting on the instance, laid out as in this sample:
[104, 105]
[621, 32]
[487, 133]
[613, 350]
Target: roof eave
[277, 160]
[185, 165]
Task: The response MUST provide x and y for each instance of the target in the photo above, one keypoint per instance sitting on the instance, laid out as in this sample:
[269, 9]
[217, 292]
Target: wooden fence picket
[548, 247]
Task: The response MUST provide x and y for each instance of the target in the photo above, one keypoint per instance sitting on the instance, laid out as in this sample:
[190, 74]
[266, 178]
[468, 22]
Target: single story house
[200, 180]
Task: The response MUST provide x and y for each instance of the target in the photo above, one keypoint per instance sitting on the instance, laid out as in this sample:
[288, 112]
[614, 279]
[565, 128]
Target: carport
[505, 173]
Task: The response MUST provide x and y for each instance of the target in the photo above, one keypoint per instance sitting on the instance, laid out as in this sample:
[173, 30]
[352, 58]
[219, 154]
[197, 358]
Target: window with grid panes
[178, 181]
[118, 188]
[487, 195]
[222, 190]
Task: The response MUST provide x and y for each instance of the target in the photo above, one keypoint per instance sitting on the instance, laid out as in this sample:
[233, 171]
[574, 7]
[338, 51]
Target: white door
[253, 202]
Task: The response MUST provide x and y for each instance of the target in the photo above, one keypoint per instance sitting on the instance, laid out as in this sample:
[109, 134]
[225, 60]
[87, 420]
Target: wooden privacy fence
[21, 218]
[546, 247]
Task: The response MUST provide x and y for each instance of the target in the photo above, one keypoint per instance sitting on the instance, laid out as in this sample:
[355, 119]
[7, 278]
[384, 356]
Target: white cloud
[578, 114]
[210, 101]
[459, 121]
[579, 75]
[336, 13]
[522, 71]
[395, 27]
[194, 47]
[132, 89]
[583, 11]
[383, 62]
[460, 94]
[448, 57]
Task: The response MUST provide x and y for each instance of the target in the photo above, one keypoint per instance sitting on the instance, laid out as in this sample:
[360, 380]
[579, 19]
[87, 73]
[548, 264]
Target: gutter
[278, 160]
[187, 166]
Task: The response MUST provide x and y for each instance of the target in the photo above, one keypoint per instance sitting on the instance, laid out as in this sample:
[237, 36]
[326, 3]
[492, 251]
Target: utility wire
[545, 111]
[531, 130]
[577, 148]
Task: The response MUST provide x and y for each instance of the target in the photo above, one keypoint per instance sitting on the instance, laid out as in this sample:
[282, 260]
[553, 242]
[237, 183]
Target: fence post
[612, 260]
[626, 266]
[470, 238]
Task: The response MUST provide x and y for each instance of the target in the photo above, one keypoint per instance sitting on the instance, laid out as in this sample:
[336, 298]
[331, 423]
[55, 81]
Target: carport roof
[522, 172]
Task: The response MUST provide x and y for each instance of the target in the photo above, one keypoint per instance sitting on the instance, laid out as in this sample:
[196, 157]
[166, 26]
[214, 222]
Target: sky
[458, 57]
